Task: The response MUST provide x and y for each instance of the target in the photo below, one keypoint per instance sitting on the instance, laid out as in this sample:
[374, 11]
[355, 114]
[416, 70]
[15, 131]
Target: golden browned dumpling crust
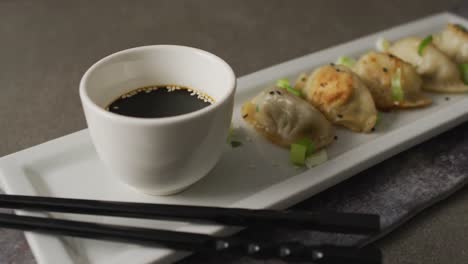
[300, 81]
[376, 70]
[342, 97]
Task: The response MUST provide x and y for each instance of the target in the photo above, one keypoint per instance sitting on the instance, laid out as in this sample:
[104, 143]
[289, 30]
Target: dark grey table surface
[45, 46]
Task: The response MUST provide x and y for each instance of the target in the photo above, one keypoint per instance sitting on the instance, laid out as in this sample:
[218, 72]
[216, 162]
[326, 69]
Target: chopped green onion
[297, 154]
[424, 44]
[230, 134]
[316, 159]
[379, 118]
[283, 83]
[397, 90]
[464, 72]
[382, 44]
[236, 144]
[294, 91]
[230, 138]
[309, 144]
[346, 61]
[461, 27]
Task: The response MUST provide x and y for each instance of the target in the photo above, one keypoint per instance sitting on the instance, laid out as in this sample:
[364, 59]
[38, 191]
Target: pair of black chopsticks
[324, 221]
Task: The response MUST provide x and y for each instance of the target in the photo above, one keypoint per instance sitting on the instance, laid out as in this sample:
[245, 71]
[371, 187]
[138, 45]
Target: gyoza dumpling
[284, 118]
[342, 97]
[453, 41]
[300, 82]
[439, 73]
[377, 70]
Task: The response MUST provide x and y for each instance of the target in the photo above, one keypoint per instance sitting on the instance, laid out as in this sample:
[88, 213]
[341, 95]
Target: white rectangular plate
[256, 175]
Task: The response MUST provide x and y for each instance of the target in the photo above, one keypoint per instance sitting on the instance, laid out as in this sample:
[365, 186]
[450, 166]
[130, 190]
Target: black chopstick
[193, 242]
[350, 223]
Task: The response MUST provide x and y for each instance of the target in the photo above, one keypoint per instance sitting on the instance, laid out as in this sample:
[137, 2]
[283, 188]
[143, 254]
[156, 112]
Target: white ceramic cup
[159, 156]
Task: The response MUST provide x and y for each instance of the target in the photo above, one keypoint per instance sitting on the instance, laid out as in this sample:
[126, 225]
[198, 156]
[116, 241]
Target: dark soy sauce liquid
[159, 101]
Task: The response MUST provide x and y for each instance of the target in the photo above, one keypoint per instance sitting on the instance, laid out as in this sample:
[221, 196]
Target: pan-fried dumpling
[300, 82]
[284, 118]
[453, 41]
[439, 73]
[342, 97]
[377, 70]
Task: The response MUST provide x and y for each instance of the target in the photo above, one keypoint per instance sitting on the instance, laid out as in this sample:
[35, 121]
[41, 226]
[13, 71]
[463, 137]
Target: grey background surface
[45, 46]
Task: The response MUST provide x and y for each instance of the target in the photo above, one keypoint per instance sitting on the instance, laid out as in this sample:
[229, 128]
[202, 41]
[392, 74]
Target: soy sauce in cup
[159, 101]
